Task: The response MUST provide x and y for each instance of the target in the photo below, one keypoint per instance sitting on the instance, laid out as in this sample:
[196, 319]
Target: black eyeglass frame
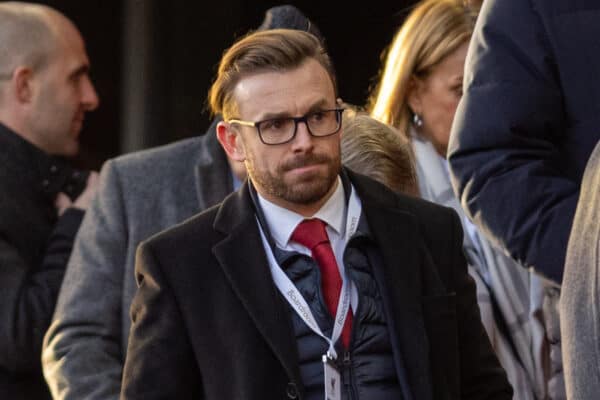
[296, 120]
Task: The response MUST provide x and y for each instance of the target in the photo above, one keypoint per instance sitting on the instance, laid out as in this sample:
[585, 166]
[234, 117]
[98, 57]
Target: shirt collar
[282, 222]
[237, 183]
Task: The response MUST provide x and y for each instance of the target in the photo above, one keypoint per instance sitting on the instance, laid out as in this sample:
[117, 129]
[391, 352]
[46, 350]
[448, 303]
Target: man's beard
[306, 190]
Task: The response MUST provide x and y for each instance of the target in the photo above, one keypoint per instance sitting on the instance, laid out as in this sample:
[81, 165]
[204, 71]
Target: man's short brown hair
[263, 51]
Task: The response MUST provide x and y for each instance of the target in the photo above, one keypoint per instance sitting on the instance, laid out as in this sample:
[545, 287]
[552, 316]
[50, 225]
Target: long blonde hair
[433, 30]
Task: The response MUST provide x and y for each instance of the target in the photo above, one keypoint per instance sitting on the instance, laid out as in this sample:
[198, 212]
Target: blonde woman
[418, 93]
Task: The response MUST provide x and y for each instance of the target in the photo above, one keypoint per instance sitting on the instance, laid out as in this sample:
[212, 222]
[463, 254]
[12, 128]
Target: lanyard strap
[295, 298]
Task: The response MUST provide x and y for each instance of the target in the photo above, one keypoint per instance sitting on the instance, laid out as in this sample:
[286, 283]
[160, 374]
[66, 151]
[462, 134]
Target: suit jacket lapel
[213, 174]
[244, 262]
[399, 280]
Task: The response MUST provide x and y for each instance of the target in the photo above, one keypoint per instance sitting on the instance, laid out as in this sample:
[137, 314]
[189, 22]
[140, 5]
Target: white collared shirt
[282, 222]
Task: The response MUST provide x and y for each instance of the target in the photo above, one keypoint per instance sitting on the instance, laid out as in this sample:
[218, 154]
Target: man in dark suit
[309, 280]
[140, 194]
[45, 92]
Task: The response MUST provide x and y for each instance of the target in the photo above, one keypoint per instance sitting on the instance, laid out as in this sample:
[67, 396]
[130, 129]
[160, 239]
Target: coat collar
[245, 265]
[396, 233]
[213, 173]
[43, 174]
[432, 173]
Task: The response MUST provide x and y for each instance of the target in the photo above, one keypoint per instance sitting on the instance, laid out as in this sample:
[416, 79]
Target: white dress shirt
[282, 223]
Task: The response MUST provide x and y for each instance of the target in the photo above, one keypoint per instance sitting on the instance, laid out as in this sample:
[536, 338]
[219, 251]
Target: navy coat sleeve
[506, 148]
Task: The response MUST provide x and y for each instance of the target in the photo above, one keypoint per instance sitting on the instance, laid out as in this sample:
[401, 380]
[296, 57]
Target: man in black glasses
[310, 281]
[140, 194]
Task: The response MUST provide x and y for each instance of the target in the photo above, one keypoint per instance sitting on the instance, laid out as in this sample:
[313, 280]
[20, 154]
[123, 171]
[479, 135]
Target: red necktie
[311, 233]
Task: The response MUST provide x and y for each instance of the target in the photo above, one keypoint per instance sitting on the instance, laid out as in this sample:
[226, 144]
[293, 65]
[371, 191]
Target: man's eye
[317, 116]
[274, 124]
[458, 89]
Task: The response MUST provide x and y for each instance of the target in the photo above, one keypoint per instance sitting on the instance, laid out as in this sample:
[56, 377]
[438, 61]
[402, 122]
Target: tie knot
[310, 233]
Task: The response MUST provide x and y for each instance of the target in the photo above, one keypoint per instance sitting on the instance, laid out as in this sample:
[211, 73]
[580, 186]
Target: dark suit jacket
[209, 323]
[139, 195]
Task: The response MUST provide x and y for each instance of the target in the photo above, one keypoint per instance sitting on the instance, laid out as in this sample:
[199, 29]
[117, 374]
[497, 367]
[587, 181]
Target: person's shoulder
[425, 210]
[172, 154]
[199, 233]
[433, 220]
[193, 234]
[379, 194]
[165, 164]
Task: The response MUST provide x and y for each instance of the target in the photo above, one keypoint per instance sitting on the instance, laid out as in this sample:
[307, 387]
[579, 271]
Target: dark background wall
[154, 60]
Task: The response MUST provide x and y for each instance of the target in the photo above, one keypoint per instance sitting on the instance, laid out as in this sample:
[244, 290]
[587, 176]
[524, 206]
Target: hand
[62, 201]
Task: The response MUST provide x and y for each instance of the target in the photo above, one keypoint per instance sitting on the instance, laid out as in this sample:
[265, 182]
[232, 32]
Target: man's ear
[230, 141]
[413, 97]
[22, 85]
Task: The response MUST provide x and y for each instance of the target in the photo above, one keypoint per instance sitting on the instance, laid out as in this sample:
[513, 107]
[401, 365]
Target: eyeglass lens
[280, 130]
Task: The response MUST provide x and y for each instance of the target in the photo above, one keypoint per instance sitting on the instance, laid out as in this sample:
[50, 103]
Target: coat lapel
[399, 279]
[244, 262]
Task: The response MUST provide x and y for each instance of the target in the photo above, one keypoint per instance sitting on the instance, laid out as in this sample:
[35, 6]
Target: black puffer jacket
[367, 369]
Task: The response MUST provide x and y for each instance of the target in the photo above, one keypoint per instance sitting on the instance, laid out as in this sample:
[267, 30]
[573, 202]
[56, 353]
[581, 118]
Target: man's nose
[303, 138]
[89, 97]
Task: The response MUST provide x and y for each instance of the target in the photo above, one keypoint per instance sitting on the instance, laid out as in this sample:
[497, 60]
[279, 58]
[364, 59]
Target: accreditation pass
[333, 382]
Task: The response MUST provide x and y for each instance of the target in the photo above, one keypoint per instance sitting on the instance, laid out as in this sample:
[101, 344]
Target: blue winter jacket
[527, 123]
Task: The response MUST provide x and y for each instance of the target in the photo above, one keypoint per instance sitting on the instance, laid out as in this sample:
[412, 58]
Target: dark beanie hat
[289, 17]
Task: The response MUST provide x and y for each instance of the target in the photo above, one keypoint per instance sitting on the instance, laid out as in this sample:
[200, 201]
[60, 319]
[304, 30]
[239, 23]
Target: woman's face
[436, 97]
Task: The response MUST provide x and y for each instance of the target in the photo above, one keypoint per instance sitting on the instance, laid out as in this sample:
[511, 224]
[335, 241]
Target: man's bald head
[45, 88]
[27, 36]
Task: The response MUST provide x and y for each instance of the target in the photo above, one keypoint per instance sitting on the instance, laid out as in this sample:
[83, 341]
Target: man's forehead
[70, 51]
[278, 91]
